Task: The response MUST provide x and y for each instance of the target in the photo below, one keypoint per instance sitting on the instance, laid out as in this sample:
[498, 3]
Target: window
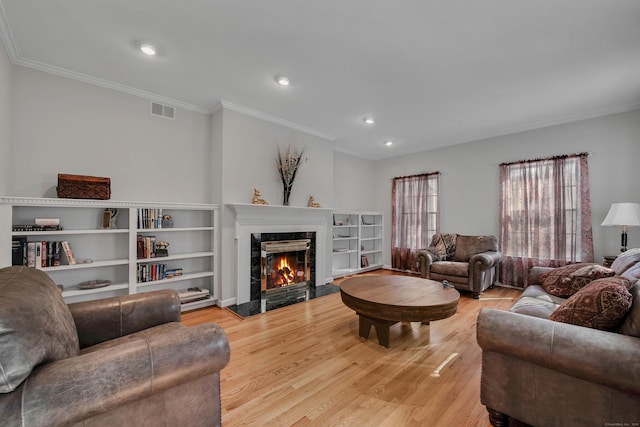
[415, 217]
[545, 215]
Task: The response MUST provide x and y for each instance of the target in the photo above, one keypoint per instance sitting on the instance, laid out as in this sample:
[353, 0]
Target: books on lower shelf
[193, 294]
[364, 261]
[150, 272]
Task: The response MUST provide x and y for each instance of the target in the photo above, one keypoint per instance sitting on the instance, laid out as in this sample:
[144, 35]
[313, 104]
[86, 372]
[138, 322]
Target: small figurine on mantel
[312, 203]
[257, 198]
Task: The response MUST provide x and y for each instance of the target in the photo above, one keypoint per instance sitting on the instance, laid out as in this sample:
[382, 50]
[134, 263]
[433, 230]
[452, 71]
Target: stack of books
[193, 294]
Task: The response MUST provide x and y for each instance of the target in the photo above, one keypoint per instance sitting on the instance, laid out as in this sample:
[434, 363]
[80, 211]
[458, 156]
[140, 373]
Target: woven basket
[83, 187]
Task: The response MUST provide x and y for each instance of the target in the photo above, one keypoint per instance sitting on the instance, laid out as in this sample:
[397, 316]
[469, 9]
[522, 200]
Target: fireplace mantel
[248, 213]
[250, 218]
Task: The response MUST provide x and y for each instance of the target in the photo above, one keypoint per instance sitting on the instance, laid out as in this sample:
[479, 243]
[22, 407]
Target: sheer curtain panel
[414, 216]
[545, 215]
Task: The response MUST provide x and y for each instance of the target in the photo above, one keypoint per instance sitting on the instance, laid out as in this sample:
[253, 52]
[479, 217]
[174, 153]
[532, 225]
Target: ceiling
[432, 73]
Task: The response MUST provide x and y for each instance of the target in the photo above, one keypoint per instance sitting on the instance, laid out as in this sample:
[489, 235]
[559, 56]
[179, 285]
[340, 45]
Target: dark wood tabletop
[383, 300]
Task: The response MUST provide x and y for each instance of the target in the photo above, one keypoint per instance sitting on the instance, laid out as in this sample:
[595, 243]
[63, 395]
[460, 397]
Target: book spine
[66, 248]
[56, 254]
[31, 254]
[18, 251]
[38, 262]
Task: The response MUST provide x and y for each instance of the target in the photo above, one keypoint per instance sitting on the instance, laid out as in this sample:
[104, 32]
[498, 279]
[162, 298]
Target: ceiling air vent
[163, 110]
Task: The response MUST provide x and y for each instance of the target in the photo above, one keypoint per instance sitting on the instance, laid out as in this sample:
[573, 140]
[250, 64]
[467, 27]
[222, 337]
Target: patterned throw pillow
[567, 280]
[602, 304]
[443, 245]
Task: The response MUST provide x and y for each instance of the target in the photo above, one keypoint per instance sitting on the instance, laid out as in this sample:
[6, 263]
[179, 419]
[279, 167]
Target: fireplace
[282, 268]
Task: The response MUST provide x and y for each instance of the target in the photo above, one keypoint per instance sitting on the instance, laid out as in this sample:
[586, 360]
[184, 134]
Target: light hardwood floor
[305, 365]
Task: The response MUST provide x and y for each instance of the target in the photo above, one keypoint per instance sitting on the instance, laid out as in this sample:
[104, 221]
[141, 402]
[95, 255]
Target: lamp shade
[623, 214]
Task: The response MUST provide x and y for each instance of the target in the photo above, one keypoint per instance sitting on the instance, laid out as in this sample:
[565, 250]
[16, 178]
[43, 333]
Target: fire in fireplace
[285, 272]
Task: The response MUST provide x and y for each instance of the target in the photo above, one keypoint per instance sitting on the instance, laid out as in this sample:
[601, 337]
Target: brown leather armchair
[118, 361]
[469, 263]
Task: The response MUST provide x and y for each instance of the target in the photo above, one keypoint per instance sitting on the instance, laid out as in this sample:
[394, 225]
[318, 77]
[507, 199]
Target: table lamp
[625, 215]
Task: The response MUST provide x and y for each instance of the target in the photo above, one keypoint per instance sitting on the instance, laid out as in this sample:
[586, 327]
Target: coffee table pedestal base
[382, 328]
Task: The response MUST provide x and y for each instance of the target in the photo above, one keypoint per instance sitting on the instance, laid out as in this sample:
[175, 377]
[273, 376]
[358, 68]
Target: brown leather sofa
[546, 373]
[125, 361]
[469, 264]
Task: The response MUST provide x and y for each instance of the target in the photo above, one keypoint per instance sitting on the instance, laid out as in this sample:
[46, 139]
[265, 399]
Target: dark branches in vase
[287, 163]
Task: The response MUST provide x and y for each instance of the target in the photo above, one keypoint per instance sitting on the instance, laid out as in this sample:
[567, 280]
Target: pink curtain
[545, 215]
[414, 217]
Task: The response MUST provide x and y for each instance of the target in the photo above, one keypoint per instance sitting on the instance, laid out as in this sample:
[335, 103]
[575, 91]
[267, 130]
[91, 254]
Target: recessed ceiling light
[388, 143]
[283, 80]
[369, 120]
[148, 49]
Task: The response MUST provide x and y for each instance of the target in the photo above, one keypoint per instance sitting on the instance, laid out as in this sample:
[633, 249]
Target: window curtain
[414, 216]
[545, 215]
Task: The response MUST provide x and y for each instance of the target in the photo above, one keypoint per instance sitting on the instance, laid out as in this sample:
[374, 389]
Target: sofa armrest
[70, 390]
[105, 319]
[424, 262]
[485, 260]
[601, 357]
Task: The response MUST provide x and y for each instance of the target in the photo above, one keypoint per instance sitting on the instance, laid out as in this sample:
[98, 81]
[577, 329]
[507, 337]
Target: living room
[55, 121]
[53, 124]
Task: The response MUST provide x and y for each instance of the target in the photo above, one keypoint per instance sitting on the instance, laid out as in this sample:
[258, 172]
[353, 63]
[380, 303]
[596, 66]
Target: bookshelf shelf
[192, 244]
[357, 242]
[182, 278]
[175, 256]
[95, 264]
[68, 232]
[172, 230]
[76, 292]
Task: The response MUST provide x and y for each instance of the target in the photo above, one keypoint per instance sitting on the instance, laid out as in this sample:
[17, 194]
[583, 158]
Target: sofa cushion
[534, 301]
[567, 280]
[467, 246]
[36, 325]
[631, 324]
[451, 268]
[602, 304]
[625, 260]
[632, 273]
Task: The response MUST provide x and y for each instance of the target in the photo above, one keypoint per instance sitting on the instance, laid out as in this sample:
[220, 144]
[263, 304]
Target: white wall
[5, 120]
[470, 174]
[61, 125]
[249, 149]
[353, 179]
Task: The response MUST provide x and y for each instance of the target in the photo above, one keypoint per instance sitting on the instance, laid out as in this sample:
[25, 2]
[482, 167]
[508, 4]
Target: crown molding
[269, 118]
[16, 59]
[29, 63]
[6, 36]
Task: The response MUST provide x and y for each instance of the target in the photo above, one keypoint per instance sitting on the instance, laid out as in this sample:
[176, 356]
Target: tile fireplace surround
[251, 219]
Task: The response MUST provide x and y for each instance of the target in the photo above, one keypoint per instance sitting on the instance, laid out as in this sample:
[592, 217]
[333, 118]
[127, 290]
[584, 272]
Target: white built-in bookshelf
[111, 254]
[357, 242]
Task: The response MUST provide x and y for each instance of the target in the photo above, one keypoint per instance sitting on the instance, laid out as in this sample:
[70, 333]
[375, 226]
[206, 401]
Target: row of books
[40, 254]
[149, 218]
[146, 247]
[156, 271]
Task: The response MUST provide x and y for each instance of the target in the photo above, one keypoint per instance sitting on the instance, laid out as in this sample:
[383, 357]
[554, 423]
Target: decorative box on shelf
[83, 187]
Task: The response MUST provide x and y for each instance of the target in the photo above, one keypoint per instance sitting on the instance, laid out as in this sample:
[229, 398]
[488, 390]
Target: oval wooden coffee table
[383, 300]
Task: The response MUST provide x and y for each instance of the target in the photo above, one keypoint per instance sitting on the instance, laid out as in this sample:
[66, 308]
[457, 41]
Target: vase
[286, 192]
